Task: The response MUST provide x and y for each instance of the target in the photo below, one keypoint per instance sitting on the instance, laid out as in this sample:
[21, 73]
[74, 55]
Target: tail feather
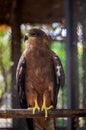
[37, 126]
[42, 124]
[51, 125]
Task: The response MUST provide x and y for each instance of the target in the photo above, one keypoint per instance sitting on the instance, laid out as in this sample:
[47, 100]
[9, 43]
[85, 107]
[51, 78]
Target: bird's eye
[35, 34]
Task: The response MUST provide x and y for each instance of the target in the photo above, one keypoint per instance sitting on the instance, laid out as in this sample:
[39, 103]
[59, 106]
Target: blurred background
[65, 23]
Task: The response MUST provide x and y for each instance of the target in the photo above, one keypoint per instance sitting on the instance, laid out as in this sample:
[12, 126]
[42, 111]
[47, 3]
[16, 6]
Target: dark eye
[35, 34]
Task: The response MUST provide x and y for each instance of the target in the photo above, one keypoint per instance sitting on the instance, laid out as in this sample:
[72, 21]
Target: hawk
[39, 76]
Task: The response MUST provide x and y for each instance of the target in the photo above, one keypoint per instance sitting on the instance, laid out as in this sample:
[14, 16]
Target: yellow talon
[45, 108]
[36, 107]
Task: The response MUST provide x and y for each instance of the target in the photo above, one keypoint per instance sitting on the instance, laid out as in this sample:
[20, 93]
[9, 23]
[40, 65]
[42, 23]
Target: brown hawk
[39, 76]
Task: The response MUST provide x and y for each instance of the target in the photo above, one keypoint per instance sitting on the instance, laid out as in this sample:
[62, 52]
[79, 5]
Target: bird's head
[36, 37]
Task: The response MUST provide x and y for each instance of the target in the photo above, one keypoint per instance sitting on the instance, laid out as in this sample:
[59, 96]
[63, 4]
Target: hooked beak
[25, 37]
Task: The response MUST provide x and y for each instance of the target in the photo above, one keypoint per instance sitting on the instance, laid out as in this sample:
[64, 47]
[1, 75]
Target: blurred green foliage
[5, 62]
[5, 49]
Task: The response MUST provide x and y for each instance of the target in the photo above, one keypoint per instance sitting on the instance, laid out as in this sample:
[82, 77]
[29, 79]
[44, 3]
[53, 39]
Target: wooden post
[15, 55]
[72, 63]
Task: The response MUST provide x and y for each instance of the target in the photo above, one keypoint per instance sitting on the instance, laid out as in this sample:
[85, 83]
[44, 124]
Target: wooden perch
[24, 113]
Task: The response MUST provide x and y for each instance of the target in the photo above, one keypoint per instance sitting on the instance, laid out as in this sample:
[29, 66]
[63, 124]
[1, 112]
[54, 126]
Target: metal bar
[72, 63]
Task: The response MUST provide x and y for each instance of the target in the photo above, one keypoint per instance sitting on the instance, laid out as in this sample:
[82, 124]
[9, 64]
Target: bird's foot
[46, 109]
[36, 107]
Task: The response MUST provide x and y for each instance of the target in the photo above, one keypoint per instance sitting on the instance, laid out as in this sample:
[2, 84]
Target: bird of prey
[39, 76]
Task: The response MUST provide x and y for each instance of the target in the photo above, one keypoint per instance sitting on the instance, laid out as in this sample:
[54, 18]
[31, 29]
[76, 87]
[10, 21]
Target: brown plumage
[39, 76]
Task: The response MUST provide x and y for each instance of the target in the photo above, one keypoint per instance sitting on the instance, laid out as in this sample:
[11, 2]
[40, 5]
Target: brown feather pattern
[38, 75]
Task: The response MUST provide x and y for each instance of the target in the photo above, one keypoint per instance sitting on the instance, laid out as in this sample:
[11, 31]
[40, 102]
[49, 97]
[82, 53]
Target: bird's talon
[36, 107]
[46, 110]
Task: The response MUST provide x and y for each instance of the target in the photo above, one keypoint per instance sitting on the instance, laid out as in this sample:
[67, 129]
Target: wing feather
[59, 77]
[20, 81]
[58, 65]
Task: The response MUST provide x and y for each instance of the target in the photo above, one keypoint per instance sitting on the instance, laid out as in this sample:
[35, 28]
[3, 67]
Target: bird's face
[36, 37]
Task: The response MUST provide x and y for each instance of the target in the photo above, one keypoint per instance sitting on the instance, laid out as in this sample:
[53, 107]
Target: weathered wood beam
[24, 113]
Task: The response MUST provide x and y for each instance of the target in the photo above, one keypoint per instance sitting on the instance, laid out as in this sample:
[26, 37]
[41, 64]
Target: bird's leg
[36, 107]
[44, 106]
[33, 101]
